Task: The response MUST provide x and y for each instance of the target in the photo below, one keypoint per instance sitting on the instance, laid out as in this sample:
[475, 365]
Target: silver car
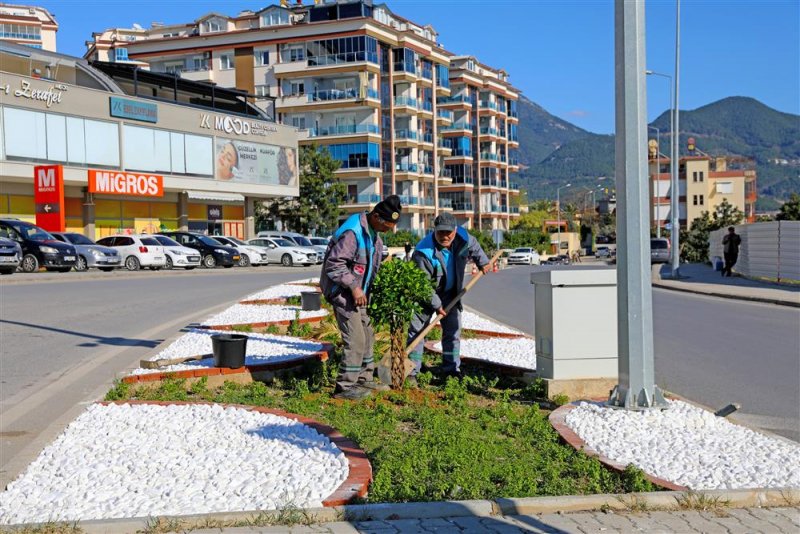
[90, 254]
[320, 244]
[659, 250]
[285, 252]
[10, 255]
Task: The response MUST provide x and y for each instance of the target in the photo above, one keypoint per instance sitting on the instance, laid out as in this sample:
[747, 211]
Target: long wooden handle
[449, 307]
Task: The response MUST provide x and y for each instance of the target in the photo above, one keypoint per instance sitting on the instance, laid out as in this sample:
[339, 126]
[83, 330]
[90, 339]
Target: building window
[694, 200]
[357, 155]
[701, 176]
[225, 62]
[299, 122]
[694, 176]
[121, 54]
[294, 52]
[343, 50]
[297, 88]
[702, 200]
[275, 17]
[442, 76]
[262, 58]
[20, 31]
[213, 26]
[262, 90]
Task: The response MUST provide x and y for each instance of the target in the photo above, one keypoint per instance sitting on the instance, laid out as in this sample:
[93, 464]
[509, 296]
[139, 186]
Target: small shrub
[424, 378]
[242, 328]
[560, 399]
[635, 481]
[536, 390]
[119, 391]
[273, 329]
[294, 301]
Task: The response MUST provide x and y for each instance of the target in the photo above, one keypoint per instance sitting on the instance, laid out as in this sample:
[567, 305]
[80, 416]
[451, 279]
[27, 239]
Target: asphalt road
[713, 351]
[65, 337]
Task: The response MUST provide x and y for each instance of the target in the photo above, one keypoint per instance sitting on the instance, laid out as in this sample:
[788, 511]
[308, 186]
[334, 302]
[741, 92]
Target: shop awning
[216, 196]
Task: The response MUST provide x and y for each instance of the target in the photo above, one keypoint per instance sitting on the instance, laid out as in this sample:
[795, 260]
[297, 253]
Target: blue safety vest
[366, 243]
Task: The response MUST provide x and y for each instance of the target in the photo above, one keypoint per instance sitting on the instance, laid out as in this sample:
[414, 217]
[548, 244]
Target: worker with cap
[443, 256]
[348, 270]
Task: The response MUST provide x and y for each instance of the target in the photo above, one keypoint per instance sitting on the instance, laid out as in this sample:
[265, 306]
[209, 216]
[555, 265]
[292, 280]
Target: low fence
[769, 250]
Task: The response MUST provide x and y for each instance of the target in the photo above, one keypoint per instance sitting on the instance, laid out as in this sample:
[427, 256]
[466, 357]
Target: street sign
[48, 197]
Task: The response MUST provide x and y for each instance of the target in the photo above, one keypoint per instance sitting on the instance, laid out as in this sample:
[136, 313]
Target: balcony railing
[502, 183]
[445, 202]
[462, 152]
[427, 201]
[332, 94]
[406, 167]
[405, 101]
[405, 134]
[427, 169]
[335, 59]
[425, 73]
[457, 126]
[453, 99]
[513, 186]
[445, 173]
[462, 206]
[441, 143]
[514, 209]
[348, 129]
[463, 180]
[445, 114]
[485, 104]
[489, 156]
[489, 182]
[513, 161]
[489, 131]
[426, 106]
[426, 137]
[362, 199]
[409, 200]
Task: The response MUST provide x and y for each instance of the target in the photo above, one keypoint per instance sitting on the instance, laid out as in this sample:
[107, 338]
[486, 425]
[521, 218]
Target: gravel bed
[142, 460]
[260, 313]
[688, 446]
[281, 291]
[314, 280]
[516, 352]
[261, 349]
[473, 321]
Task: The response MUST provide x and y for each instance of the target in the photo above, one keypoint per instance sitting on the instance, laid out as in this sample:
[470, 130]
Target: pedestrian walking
[348, 271]
[730, 249]
[407, 248]
[443, 255]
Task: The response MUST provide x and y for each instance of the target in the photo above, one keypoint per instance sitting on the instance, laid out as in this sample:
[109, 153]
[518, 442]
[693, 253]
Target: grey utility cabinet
[576, 323]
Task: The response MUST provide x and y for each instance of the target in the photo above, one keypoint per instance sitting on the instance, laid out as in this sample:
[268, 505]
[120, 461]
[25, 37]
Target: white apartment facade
[372, 87]
[28, 25]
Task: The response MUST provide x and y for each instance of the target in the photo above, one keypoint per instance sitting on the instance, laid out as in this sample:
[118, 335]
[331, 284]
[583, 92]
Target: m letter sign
[48, 196]
[126, 183]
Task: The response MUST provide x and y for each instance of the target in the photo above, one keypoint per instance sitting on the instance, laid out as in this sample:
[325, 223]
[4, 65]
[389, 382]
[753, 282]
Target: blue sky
[560, 53]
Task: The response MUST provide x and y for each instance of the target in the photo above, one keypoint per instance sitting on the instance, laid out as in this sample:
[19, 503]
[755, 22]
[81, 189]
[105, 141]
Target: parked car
[602, 252]
[248, 255]
[285, 252]
[10, 255]
[293, 237]
[561, 259]
[90, 254]
[177, 255]
[659, 250]
[320, 244]
[524, 256]
[39, 247]
[137, 251]
[212, 251]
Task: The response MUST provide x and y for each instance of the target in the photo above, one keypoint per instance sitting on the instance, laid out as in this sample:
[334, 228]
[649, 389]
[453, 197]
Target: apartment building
[370, 86]
[28, 25]
[704, 183]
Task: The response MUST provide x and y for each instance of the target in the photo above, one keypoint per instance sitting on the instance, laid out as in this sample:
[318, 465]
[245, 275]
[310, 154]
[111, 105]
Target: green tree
[694, 247]
[316, 209]
[484, 239]
[790, 211]
[401, 288]
[531, 221]
[399, 238]
[526, 238]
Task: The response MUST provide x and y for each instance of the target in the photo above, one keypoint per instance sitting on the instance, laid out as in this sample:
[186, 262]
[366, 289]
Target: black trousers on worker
[730, 261]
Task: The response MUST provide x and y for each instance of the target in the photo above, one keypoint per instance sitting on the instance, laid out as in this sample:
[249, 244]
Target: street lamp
[656, 182]
[558, 214]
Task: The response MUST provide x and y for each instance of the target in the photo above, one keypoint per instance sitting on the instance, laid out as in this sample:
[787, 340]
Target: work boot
[373, 385]
[353, 393]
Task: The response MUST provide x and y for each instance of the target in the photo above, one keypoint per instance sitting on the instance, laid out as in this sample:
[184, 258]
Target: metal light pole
[558, 214]
[636, 389]
[675, 230]
[655, 182]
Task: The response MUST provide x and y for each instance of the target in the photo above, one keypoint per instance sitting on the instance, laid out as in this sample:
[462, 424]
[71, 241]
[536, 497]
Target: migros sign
[126, 183]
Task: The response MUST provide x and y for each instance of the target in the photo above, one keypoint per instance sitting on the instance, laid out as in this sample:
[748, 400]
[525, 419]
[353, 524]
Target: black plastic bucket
[312, 300]
[229, 350]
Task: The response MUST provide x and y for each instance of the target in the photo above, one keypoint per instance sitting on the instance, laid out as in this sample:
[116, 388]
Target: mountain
[732, 126]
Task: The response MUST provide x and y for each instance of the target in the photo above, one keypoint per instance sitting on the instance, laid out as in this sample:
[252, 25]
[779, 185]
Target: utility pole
[675, 197]
[636, 389]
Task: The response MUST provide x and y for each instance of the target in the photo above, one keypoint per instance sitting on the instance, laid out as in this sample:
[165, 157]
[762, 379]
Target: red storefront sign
[48, 196]
[126, 183]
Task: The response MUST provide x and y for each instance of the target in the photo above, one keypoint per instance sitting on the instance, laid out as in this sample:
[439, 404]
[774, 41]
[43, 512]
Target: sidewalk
[744, 520]
[702, 279]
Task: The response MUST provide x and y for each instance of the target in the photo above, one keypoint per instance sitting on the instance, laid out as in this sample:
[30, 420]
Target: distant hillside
[732, 126]
[540, 133]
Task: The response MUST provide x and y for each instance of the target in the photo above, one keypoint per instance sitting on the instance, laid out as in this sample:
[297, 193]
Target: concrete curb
[478, 508]
[764, 300]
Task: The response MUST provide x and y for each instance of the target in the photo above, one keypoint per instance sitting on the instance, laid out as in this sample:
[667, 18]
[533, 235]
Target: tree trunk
[398, 353]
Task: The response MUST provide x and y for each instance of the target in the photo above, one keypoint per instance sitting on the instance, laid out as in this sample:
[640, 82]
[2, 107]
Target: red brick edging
[321, 355]
[359, 469]
[285, 322]
[558, 420]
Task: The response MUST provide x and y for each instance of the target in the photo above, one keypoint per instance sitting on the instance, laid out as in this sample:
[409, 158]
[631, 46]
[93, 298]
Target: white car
[285, 252]
[524, 256]
[248, 255]
[177, 255]
[137, 251]
[320, 244]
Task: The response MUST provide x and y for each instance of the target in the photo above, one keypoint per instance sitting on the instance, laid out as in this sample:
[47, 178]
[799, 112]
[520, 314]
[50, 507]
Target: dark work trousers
[730, 261]
[451, 337]
[358, 338]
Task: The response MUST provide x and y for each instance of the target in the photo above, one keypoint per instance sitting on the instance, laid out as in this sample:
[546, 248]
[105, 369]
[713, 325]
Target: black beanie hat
[389, 208]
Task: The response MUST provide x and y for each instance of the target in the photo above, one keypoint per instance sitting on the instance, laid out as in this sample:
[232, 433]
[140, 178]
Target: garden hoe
[385, 365]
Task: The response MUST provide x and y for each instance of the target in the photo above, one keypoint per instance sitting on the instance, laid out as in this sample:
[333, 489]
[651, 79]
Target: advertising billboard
[255, 163]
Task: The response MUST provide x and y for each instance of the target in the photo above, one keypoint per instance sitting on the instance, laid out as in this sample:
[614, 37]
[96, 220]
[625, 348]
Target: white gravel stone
[517, 352]
[281, 291]
[142, 460]
[260, 313]
[261, 349]
[473, 321]
[688, 446]
[314, 280]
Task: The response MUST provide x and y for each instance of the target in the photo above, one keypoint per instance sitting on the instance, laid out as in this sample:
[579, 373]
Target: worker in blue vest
[348, 270]
[443, 255]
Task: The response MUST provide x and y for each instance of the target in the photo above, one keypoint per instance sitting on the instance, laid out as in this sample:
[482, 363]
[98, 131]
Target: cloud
[579, 113]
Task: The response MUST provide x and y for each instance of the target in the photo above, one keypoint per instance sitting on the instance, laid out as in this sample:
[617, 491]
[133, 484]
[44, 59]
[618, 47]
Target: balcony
[490, 182]
[462, 206]
[426, 137]
[327, 95]
[455, 100]
[445, 173]
[444, 114]
[406, 200]
[405, 101]
[362, 199]
[513, 161]
[503, 184]
[425, 74]
[457, 127]
[446, 203]
[490, 156]
[485, 104]
[427, 169]
[463, 180]
[426, 106]
[514, 209]
[461, 153]
[490, 131]
[405, 135]
[350, 129]
[406, 167]
[514, 186]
